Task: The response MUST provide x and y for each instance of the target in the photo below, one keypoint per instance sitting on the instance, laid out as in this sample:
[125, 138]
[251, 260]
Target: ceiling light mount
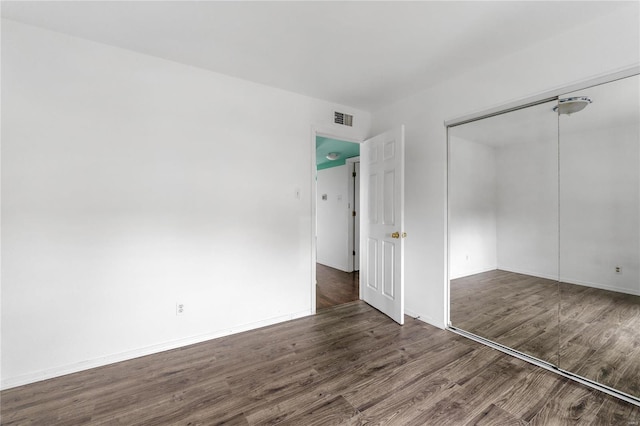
[570, 105]
[333, 156]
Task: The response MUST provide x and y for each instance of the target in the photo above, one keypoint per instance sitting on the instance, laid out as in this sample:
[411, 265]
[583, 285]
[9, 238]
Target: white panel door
[382, 223]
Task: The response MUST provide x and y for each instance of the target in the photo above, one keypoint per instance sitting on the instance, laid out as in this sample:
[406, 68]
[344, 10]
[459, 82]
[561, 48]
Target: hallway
[335, 287]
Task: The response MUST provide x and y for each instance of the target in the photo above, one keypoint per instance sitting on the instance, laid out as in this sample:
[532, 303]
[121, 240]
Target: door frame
[333, 133]
[351, 243]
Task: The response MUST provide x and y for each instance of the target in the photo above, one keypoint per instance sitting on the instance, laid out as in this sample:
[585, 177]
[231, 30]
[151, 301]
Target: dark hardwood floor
[515, 310]
[335, 287]
[591, 332]
[600, 336]
[348, 364]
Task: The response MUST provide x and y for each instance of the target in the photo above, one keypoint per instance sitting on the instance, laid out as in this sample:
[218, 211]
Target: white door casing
[382, 223]
[356, 222]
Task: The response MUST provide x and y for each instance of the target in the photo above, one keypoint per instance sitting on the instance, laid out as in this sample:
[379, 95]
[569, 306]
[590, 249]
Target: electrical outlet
[618, 270]
[179, 308]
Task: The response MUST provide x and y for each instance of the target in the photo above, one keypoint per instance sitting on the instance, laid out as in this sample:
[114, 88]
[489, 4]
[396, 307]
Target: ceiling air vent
[342, 118]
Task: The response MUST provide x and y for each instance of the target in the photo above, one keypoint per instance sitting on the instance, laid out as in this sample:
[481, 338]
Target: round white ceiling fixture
[333, 156]
[570, 105]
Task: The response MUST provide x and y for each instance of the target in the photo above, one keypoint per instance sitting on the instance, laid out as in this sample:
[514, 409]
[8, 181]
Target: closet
[544, 232]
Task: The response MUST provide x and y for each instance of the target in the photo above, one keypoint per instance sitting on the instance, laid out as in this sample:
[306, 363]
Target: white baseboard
[424, 318]
[50, 373]
[527, 272]
[474, 271]
[601, 286]
[334, 266]
[573, 281]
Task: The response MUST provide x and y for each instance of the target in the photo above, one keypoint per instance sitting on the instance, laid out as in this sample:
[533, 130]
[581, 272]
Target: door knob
[395, 235]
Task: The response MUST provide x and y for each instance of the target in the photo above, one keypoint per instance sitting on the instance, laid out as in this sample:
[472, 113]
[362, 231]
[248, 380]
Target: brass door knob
[395, 235]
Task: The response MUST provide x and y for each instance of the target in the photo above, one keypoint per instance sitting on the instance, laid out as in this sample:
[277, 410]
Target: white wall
[596, 170]
[600, 46]
[473, 205]
[333, 217]
[527, 206]
[600, 208]
[130, 183]
[600, 189]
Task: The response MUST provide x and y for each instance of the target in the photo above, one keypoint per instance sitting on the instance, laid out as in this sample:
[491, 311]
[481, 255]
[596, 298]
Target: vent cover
[342, 118]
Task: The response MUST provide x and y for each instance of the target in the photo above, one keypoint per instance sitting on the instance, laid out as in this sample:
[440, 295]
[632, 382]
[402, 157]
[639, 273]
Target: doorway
[337, 222]
[381, 220]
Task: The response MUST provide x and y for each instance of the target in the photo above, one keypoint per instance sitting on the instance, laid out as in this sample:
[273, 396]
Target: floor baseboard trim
[51, 373]
[424, 318]
[567, 280]
[473, 272]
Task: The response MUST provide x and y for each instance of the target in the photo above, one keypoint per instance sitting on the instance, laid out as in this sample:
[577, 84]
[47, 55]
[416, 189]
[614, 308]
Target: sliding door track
[548, 366]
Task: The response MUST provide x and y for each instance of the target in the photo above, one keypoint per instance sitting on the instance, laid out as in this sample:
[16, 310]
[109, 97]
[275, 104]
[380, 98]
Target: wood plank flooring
[591, 332]
[600, 336]
[346, 365]
[335, 287]
[515, 310]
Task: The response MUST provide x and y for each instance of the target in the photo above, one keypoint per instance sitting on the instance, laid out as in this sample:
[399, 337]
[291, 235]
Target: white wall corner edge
[424, 318]
[51, 373]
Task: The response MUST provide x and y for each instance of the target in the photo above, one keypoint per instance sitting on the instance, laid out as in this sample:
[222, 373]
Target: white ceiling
[361, 54]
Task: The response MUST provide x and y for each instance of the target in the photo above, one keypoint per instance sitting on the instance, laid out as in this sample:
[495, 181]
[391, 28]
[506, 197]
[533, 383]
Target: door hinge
[353, 214]
[354, 252]
[354, 174]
